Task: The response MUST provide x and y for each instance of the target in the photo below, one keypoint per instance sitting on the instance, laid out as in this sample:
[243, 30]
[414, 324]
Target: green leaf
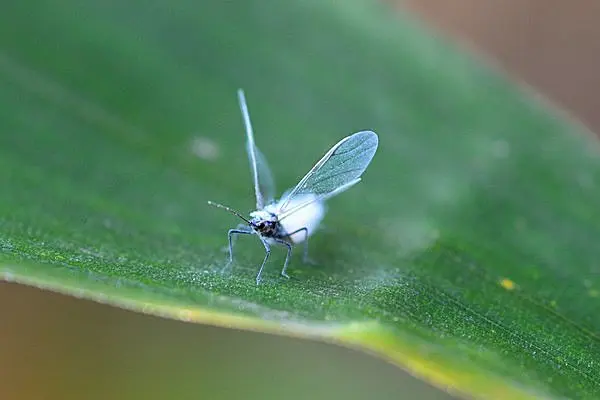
[467, 255]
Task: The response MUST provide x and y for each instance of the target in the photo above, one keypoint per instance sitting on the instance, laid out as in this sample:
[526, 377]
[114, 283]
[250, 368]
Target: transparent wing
[339, 169]
[264, 186]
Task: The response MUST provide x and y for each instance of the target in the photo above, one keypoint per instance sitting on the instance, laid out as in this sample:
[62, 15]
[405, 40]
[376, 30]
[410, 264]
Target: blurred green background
[57, 347]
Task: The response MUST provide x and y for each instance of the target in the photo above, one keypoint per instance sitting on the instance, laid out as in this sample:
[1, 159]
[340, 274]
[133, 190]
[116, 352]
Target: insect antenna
[231, 210]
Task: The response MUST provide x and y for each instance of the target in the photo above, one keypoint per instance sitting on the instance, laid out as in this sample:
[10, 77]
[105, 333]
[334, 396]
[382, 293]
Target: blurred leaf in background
[54, 347]
[466, 256]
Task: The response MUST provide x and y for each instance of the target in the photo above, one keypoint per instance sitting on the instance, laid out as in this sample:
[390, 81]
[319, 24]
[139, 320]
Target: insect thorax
[265, 223]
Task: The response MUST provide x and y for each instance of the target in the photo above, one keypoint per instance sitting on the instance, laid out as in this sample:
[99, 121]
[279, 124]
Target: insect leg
[305, 258]
[230, 238]
[240, 227]
[287, 257]
[268, 251]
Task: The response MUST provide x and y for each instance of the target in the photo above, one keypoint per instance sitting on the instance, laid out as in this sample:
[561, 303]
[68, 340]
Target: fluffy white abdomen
[308, 217]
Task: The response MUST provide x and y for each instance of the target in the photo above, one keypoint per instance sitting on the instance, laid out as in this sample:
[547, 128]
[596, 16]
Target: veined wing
[339, 169]
[264, 186]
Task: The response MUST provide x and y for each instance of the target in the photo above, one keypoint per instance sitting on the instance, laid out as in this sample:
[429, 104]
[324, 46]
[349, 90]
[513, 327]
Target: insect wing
[340, 168]
[264, 186]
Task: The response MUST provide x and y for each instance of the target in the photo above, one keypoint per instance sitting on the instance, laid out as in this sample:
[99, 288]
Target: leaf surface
[468, 255]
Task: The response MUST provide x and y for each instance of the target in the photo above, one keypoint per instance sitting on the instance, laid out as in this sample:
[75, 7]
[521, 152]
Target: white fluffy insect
[293, 218]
